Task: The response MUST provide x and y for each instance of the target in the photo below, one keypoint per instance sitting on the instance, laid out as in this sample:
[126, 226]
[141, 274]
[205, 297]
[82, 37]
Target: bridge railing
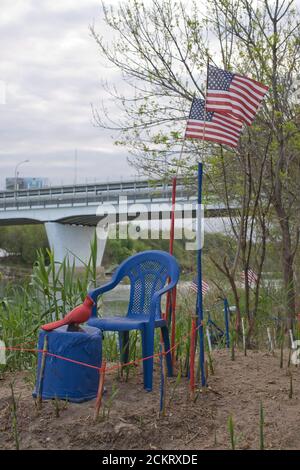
[138, 191]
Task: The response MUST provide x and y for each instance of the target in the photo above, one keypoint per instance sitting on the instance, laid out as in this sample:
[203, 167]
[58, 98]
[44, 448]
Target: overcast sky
[51, 69]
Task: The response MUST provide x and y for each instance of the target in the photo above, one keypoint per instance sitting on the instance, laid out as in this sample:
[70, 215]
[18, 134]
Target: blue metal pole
[199, 279]
[226, 318]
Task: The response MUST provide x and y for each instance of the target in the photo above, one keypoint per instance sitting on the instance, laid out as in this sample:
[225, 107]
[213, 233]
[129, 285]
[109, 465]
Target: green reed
[52, 290]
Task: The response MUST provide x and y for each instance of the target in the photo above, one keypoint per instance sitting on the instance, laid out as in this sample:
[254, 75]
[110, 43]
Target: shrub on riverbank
[23, 242]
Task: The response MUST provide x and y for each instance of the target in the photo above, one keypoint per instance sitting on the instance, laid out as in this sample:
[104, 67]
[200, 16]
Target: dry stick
[14, 417]
[281, 352]
[2, 353]
[291, 338]
[232, 341]
[291, 386]
[100, 390]
[42, 369]
[165, 372]
[244, 337]
[292, 346]
[274, 337]
[164, 381]
[261, 427]
[206, 370]
[289, 358]
[210, 363]
[270, 340]
[192, 438]
[209, 353]
[208, 339]
[192, 358]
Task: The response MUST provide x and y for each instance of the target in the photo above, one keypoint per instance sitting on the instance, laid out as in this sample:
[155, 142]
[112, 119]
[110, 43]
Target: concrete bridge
[71, 213]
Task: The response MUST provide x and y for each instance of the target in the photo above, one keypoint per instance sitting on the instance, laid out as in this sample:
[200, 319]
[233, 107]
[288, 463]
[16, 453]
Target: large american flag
[194, 286]
[233, 94]
[212, 126]
[251, 277]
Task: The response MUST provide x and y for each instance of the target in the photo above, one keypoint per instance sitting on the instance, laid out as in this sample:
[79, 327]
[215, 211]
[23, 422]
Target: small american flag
[251, 277]
[212, 126]
[233, 94]
[194, 286]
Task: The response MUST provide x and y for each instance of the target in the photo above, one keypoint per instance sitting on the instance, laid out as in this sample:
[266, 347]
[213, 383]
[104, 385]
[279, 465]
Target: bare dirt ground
[236, 389]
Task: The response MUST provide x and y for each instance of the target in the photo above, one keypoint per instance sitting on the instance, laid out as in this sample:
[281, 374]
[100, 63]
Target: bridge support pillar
[73, 241]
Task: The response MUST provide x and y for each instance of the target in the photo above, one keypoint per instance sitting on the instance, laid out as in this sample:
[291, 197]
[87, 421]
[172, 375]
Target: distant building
[26, 183]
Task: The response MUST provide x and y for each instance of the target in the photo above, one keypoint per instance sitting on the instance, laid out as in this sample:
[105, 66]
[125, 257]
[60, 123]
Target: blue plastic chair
[151, 274]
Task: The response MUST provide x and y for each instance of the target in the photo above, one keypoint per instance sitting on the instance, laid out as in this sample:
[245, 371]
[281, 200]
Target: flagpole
[199, 281]
[199, 307]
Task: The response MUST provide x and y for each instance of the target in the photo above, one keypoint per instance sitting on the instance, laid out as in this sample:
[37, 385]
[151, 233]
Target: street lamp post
[16, 173]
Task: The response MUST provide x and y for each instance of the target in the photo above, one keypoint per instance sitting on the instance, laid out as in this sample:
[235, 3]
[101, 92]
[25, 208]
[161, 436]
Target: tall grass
[52, 290]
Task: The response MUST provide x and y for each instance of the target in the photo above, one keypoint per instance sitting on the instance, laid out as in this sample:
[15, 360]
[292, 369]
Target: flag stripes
[251, 277]
[234, 95]
[194, 286]
[212, 126]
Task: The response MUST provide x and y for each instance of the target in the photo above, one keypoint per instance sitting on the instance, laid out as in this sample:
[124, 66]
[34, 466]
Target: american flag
[194, 286]
[233, 94]
[251, 277]
[211, 126]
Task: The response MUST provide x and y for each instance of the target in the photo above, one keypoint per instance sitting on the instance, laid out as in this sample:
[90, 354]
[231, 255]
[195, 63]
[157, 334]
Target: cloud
[52, 72]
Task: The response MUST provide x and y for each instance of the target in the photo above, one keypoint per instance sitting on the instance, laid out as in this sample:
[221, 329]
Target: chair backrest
[148, 272]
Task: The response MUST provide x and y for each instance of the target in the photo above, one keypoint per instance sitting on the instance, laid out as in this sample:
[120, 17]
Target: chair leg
[124, 346]
[165, 335]
[148, 351]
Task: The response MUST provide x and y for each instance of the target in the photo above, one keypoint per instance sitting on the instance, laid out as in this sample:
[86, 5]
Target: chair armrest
[95, 293]
[155, 303]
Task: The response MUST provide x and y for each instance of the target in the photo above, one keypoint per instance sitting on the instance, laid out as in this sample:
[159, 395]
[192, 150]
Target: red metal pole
[171, 244]
[173, 331]
[173, 215]
[172, 295]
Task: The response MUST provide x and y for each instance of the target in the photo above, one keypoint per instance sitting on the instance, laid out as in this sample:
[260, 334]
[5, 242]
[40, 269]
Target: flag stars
[219, 79]
[198, 111]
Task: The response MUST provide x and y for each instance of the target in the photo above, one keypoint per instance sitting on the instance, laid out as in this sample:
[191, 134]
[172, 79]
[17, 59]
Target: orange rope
[116, 366]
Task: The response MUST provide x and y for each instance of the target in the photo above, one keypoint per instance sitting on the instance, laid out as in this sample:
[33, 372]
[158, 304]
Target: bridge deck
[78, 204]
[90, 194]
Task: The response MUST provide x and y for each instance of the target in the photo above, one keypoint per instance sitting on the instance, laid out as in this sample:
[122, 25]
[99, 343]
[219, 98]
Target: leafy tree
[162, 51]
[23, 241]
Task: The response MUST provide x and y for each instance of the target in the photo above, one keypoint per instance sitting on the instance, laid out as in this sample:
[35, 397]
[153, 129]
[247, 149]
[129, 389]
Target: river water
[114, 302]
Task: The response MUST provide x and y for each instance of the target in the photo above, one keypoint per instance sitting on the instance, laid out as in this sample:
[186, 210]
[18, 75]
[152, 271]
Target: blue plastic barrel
[63, 379]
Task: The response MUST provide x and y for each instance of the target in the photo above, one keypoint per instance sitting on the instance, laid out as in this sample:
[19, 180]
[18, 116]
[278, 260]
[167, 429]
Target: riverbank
[236, 389]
